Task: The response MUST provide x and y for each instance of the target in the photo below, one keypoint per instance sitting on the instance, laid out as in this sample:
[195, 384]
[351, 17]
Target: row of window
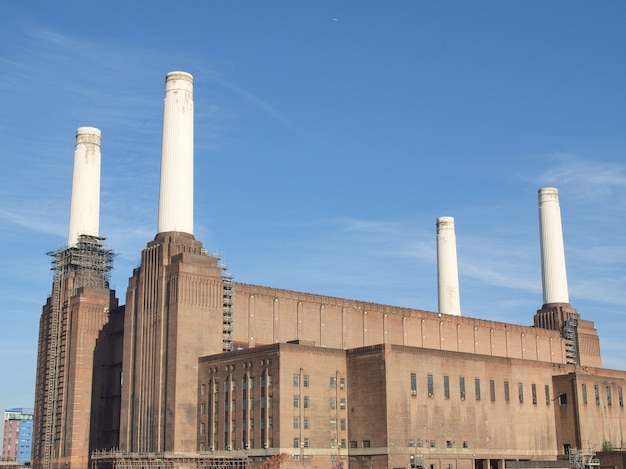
[232, 445]
[231, 405]
[246, 423]
[596, 393]
[462, 390]
[248, 382]
[251, 403]
[306, 381]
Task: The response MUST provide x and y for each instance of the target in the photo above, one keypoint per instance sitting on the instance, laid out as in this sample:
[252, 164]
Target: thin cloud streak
[589, 180]
[261, 105]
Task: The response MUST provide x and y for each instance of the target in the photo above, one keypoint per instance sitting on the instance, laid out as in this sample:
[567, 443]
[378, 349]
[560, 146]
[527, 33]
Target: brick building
[198, 368]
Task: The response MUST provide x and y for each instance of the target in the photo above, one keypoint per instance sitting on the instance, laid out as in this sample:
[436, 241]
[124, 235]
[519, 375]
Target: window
[306, 402]
[413, 384]
[342, 403]
[343, 424]
[262, 402]
[419, 443]
[492, 390]
[547, 394]
[343, 443]
[234, 405]
[534, 393]
[477, 388]
[449, 444]
[620, 396]
[507, 396]
[462, 388]
[433, 443]
[296, 442]
[446, 387]
[252, 403]
[234, 385]
[307, 423]
[366, 443]
[584, 392]
[333, 382]
[342, 383]
[520, 392]
[305, 381]
[296, 422]
[465, 444]
[596, 391]
[269, 402]
[296, 400]
[296, 380]
[563, 399]
[306, 442]
[430, 386]
[233, 425]
[251, 382]
[203, 408]
[244, 383]
[202, 429]
[353, 444]
[202, 389]
[270, 380]
[270, 423]
[333, 424]
[333, 402]
[609, 401]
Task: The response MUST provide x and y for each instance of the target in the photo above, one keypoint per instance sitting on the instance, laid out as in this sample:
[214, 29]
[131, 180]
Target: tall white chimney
[85, 203]
[553, 271]
[447, 268]
[176, 190]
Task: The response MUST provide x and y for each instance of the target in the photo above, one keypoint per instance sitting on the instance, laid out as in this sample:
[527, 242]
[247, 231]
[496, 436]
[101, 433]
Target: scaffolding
[580, 459]
[570, 333]
[227, 322]
[123, 460]
[87, 264]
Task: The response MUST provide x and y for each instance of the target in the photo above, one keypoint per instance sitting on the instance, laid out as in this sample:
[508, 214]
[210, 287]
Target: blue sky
[329, 137]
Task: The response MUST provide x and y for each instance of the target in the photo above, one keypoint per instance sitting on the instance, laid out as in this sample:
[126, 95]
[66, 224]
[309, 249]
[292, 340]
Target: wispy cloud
[589, 180]
[261, 105]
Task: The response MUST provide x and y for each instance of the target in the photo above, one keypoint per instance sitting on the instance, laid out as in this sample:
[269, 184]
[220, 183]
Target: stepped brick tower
[175, 308]
[583, 344]
[71, 321]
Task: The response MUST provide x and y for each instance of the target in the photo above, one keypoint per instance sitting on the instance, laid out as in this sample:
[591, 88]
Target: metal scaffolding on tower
[86, 264]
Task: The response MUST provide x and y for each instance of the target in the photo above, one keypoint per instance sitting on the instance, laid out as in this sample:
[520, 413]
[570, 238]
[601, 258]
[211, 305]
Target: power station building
[197, 370]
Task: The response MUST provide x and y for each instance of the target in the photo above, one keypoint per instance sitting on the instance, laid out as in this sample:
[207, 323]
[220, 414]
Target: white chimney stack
[447, 268]
[176, 190]
[85, 203]
[553, 270]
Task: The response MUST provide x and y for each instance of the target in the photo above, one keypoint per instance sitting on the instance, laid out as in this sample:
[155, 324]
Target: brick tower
[71, 322]
[174, 302]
